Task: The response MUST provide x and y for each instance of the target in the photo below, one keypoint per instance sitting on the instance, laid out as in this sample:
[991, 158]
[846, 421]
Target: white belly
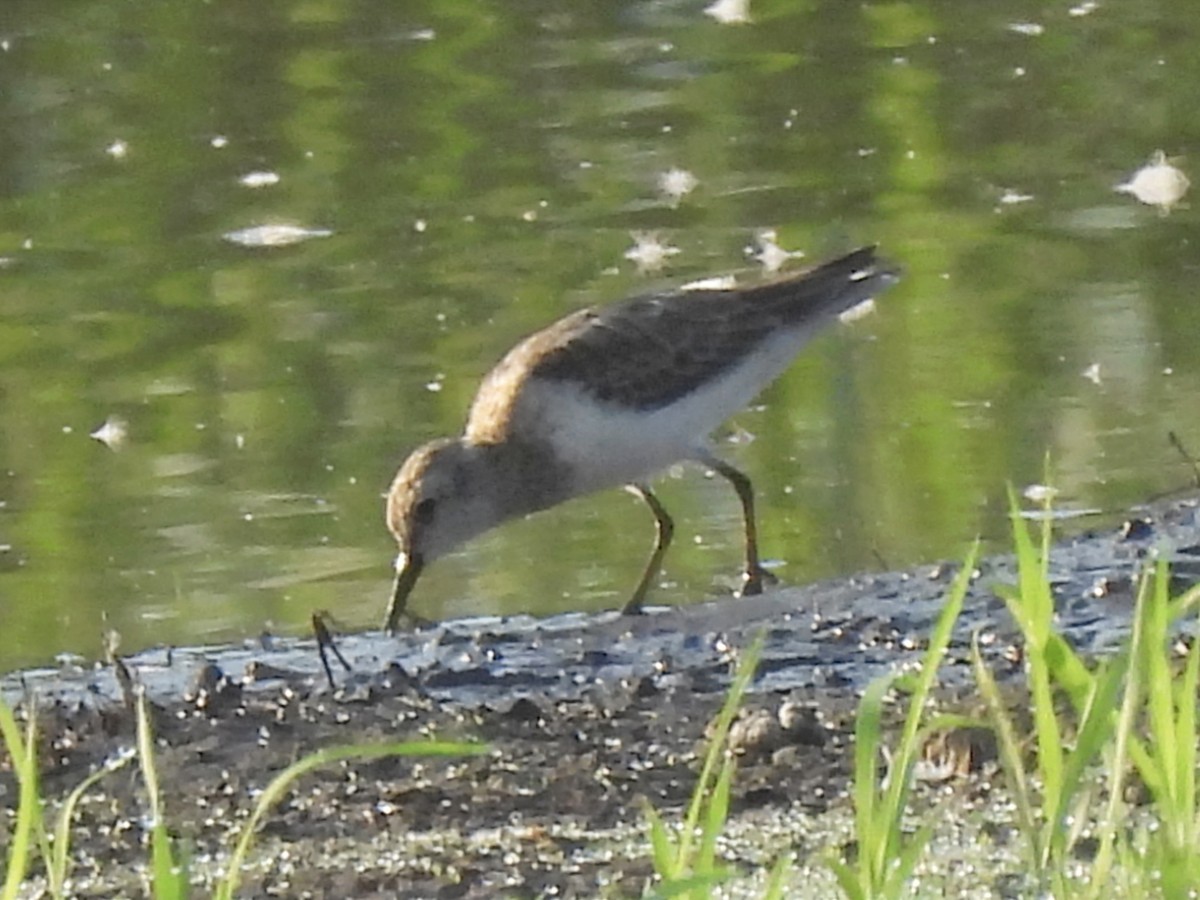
[607, 445]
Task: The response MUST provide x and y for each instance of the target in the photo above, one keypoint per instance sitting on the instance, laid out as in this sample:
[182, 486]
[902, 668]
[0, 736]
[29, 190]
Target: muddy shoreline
[587, 718]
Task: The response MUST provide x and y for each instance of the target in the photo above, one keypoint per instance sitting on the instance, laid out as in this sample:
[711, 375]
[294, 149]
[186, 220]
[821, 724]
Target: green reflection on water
[481, 168]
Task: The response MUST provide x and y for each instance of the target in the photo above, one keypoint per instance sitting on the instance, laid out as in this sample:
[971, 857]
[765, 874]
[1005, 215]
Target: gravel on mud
[586, 720]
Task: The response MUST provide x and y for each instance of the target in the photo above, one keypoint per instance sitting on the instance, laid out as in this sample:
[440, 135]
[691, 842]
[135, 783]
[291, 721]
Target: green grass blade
[878, 811]
[676, 860]
[692, 885]
[58, 866]
[931, 661]
[744, 674]
[1111, 819]
[901, 871]
[1008, 746]
[714, 818]
[777, 880]
[1185, 604]
[146, 759]
[169, 878]
[23, 752]
[330, 755]
[848, 879]
[1186, 730]
[1142, 754]
[1160, 694]
[1096, 729]
[900, 777]
[1095, 733]
[868, 746]
[1067, 670]
[1033, 609]
[169, 875]
[1051, 760]
[1029, 610]
[663, 848]
[1171, 721]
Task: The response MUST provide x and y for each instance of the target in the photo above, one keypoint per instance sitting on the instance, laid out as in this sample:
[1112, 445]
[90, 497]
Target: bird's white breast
[606, 444]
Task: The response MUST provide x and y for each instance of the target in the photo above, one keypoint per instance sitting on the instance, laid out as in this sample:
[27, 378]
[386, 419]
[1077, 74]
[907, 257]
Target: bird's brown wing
[650, 350]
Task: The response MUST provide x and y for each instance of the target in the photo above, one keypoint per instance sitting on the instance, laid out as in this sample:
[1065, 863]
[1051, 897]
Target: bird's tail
[829, 289]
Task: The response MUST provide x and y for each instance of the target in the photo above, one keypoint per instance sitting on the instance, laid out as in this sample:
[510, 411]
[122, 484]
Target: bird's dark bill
[408, 570]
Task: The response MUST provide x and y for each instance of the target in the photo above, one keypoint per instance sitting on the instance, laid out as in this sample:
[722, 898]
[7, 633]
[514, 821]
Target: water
[454, 175]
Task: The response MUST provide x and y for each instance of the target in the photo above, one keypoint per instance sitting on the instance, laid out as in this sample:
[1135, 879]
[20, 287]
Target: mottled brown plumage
[608, 397]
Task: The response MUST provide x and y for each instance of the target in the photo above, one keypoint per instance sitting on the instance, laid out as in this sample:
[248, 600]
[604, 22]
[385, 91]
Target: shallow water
[452, 176]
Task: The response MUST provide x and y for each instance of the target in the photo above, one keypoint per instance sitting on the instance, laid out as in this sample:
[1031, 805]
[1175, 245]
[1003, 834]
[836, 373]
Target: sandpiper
[605, 398]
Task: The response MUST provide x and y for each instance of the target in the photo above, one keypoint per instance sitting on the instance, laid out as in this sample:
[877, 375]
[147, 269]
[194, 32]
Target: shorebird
[606, 398]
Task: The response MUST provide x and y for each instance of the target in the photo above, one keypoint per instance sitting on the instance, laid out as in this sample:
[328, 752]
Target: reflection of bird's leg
[753, 574]
[662, 540]
[326, 645]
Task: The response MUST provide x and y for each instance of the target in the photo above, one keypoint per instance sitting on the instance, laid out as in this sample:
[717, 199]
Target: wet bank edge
[587, 717]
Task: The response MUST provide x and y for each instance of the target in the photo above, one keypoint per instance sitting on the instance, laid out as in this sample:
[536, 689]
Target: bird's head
[442, 497]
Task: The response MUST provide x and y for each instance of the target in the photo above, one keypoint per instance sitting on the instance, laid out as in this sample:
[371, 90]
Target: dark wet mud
[587, 719]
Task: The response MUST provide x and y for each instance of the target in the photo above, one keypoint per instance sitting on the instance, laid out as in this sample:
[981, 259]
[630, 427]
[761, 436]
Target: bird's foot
[633, 607]
[413, 622]
[754, 580]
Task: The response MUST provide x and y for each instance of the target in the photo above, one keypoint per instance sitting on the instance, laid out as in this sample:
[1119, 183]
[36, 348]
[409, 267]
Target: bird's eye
[423, 512]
